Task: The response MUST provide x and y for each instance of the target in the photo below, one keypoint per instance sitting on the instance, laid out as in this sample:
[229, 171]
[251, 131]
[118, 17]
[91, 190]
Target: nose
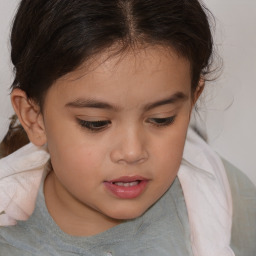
[129, 147]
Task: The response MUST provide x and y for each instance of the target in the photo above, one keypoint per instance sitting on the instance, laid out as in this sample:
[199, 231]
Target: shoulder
[239, 180]
[244, 211]
[25, 238]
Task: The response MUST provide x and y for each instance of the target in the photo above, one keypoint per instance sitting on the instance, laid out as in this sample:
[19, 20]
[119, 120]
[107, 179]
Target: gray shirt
[243, 239]
[162, 230]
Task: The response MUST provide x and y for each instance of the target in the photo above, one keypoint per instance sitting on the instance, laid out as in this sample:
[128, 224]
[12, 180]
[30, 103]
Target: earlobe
[29, 116]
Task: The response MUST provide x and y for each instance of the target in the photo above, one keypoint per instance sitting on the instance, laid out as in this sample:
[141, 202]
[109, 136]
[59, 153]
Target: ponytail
[15, 138]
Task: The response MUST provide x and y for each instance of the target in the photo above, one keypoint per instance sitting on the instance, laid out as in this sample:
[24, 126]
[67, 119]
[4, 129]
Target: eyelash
[94, 126]
[162, 122]
[97, 126]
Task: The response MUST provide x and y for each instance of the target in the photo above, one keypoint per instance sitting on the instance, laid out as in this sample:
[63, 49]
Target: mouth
[127, 187]
[127, 184]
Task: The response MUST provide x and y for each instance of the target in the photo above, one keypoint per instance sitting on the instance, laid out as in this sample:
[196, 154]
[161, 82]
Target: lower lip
[126, 192]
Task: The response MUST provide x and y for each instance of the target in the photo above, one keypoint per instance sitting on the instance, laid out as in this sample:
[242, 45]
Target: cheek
[77, 171]
[70, 149]
[76, 160]
[168, 150]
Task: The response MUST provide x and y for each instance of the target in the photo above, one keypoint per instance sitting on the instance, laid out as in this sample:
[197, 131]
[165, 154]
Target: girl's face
[116, 133]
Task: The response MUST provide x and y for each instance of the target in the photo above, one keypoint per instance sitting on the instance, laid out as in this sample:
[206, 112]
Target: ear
[30, 117]
[199, 90]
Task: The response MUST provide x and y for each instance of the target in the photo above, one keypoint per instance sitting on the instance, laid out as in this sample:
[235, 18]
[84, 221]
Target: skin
[131, 143]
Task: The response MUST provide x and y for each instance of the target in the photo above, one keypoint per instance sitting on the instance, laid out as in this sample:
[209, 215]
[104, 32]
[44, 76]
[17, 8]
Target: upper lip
[128, 179]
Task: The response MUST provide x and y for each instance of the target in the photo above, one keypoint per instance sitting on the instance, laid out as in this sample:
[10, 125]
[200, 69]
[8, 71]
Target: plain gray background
[228, 105]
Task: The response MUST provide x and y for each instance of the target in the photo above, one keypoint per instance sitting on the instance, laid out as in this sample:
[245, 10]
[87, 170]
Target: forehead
[143, 71]
[130, 61]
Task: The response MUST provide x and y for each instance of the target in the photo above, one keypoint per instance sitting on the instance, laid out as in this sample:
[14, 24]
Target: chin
[127, 213]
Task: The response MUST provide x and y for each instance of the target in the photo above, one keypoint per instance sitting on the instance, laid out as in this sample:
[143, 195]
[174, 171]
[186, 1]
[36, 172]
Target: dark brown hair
[53, 37]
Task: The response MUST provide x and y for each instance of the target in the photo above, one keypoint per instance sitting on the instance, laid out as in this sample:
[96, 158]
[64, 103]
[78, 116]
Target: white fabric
[202, 177]
[208, 198]
[20, 177]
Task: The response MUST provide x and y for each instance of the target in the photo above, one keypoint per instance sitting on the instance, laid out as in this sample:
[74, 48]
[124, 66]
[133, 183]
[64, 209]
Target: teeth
[127, 184]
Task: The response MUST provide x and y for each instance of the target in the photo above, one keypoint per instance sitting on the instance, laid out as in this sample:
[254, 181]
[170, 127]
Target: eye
[161, 121]
[94, 126]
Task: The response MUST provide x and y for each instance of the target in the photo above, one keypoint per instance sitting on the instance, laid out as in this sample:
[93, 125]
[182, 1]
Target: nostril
[129, 149]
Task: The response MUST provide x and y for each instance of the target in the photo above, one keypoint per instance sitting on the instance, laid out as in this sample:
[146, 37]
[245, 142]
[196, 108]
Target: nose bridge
[131, 145]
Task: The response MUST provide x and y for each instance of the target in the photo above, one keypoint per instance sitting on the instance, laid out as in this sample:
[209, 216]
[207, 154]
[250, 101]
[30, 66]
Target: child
[105, 90]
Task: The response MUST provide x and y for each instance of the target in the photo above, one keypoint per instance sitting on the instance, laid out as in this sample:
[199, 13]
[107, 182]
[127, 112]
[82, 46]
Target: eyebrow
[177, 97]
[92, 103]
